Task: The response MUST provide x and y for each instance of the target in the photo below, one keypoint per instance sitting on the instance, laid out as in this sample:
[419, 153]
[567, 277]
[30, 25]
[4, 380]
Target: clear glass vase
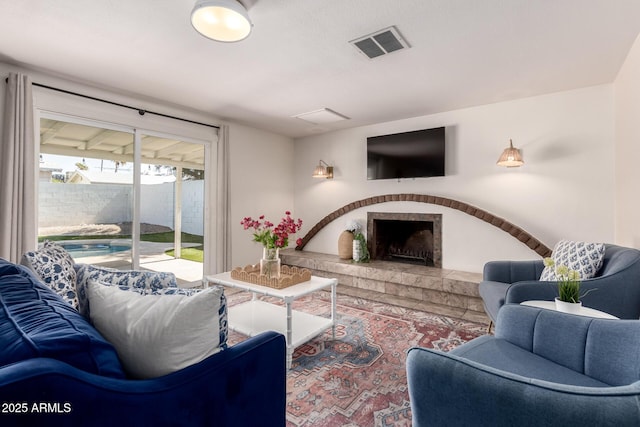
[270, 263]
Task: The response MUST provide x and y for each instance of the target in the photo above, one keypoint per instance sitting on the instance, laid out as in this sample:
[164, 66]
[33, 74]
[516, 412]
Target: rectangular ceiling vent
[380, 43]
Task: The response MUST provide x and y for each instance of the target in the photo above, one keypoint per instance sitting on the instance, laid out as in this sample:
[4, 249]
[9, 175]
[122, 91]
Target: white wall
[627, 134]
[75, 204]
[564, 190]
[192, 207]
[261, 183]
[157, 203]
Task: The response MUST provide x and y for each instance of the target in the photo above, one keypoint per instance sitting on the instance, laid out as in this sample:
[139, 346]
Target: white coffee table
[256, 316]
[582, 311]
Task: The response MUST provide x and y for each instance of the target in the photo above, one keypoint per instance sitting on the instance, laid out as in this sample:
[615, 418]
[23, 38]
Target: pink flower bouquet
[270, 235]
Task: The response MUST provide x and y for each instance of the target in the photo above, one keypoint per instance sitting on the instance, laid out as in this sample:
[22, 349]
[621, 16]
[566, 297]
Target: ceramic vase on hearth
[270, 263]
[345, 245]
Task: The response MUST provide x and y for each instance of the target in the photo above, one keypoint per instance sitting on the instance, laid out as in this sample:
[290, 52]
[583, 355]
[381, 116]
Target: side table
[582, 311]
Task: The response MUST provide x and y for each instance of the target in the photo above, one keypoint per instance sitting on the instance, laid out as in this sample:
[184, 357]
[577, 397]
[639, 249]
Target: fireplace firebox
[413, 238]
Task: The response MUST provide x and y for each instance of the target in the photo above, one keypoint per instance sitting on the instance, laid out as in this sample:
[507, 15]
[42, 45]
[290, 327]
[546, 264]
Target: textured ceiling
[298, 58]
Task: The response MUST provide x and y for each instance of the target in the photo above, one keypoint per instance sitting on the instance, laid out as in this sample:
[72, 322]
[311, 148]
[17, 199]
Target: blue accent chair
[615, 289]
[541, 368]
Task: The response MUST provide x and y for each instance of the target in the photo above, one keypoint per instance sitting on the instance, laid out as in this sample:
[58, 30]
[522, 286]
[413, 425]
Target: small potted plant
[568, 299]
[360, 249]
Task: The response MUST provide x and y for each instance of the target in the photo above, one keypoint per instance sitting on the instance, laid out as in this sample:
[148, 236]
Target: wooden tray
[289, 276]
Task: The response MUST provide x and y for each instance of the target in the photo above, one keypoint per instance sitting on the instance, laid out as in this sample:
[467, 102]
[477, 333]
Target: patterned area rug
[358, 379]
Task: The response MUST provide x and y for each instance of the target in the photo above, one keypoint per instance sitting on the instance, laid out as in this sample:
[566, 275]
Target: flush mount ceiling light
[221, 20]
[323, 171]
[510, 157]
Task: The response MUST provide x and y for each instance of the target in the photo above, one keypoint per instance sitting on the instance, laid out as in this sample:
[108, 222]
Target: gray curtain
[17, 171]
[223, 231]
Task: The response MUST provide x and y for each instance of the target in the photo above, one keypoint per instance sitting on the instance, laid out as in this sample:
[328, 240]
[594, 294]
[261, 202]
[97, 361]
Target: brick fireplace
[413, 238]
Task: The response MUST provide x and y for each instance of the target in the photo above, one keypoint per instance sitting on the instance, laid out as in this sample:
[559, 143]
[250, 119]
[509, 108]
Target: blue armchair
[616, 287]
[542, 368]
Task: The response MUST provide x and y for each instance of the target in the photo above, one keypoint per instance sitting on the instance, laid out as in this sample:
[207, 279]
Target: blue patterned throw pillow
[143, 282]
[585, 258]
[54, 266]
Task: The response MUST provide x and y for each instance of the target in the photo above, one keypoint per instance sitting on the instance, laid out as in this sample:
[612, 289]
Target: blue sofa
[615, 288]
[56, 369]
[542, 368]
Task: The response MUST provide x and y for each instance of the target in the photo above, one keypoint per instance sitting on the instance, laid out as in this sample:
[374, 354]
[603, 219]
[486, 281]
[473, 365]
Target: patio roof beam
[169, 150]
[106, 155]
[99, 139]
[51, 133]
[65, 142]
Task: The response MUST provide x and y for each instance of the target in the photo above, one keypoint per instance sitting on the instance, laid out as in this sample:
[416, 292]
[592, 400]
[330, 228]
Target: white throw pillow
[155, 335]
[585, 258]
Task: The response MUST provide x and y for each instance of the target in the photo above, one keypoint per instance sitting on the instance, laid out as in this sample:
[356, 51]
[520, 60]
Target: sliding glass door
[177, 203]
[85, 196]
[122, 197]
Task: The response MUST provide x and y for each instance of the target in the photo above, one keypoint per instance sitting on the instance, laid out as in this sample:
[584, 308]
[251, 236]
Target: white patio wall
[192, 207]
[156, 204]
[75, 204]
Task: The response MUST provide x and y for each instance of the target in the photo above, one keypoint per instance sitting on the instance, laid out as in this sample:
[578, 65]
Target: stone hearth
[447, 292]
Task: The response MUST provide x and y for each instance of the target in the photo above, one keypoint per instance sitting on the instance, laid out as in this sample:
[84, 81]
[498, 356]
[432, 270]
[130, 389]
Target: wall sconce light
[510, 157]
[221, 20]
[321, 171]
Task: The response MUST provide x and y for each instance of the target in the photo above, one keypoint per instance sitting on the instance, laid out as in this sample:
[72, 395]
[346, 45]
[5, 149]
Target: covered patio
[115, 146]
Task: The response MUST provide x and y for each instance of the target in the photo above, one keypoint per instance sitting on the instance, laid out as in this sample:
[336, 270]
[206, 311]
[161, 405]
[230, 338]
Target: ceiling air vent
[380, 43]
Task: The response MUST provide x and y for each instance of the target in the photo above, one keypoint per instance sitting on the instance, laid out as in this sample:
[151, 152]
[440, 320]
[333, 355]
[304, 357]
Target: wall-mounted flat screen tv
[413, 154]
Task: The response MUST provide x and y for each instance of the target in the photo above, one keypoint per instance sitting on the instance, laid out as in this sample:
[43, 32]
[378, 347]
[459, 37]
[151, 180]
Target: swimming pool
[82, 250]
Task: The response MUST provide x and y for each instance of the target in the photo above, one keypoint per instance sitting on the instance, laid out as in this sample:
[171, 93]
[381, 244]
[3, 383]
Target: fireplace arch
[515, 231]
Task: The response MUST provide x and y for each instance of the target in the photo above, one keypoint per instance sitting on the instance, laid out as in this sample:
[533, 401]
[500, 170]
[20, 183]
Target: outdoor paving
[153, 258]
[188, 273]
